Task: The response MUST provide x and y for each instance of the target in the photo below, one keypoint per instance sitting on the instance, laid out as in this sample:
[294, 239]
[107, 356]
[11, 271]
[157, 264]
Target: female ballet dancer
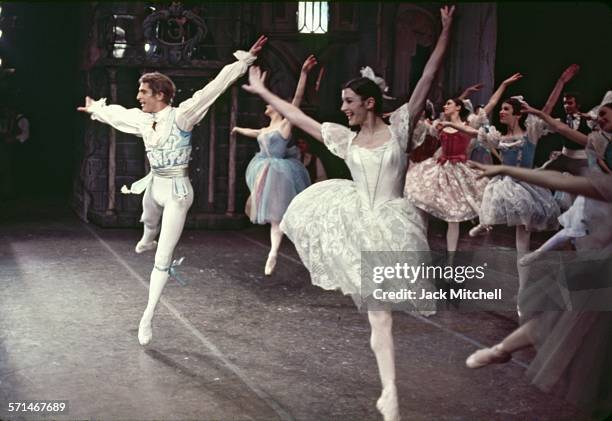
[577, 220]
[509, 201]
[166, 132]
[332, 222]
[275, 175]
[444, 186]
[574, 348]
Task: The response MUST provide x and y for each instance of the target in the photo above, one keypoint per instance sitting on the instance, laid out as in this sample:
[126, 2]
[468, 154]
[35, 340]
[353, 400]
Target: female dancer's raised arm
[309, 63]
[293, 114]
[421, 90]
[556, 125]
[499, 92]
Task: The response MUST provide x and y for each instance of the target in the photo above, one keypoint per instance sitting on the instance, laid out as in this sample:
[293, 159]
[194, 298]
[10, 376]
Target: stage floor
[230, 345]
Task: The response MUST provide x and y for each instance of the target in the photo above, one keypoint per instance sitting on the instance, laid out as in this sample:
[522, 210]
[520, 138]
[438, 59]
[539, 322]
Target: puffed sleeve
[421, 130]
[478, 120]
[536, 128]
[337, 138]
[489, 136]
[400, 126]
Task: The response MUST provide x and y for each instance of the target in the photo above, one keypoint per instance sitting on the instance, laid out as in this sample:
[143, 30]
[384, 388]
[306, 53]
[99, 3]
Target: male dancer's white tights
[159, 205]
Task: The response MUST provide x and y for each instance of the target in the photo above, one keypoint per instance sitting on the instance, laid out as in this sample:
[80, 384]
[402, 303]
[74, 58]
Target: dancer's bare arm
[309, 63]
[246, 132]
[557, 126]
[421, 90]
[293, 114]
[545, 178]
[470, 90]
[500, 91]
[458, 126]
[565, 77]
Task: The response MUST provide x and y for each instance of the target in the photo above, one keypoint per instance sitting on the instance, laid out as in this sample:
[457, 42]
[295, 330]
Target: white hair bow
[367, 72]
[468, 105]
[519, 98]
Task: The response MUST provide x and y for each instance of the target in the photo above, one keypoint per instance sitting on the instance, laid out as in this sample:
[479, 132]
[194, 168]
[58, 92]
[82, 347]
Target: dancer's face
[506, 115]
[569, 105]
[604, 119]
[354, 107]
[451, 108]
[149, 102]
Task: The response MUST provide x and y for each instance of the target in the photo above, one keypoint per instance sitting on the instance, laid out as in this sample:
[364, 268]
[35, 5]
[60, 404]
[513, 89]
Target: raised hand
[526, 108]
[446, 15]
[309, 63]
[512, 79]
[474, 88]
[256, 48]
[256, 81]
[569, 73]
[88, 103]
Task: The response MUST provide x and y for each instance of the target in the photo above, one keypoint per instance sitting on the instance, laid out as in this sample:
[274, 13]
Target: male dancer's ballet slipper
[142, 247]
[388, 406]
[270, 264]
[145, 333]
[486, 356]
[479, 229]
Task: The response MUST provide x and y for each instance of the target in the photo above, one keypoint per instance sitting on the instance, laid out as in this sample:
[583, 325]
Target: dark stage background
[537, 39]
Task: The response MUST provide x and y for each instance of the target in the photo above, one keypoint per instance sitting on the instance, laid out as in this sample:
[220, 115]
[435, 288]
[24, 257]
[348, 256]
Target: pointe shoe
[270, 264]
[388, 406]
[479, 229]
[142, 247]
[145, 333]
[486, 356]
[529, 258]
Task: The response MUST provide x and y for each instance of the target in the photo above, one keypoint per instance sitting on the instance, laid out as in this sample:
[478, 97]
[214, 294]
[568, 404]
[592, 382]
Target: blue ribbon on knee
[173, 273]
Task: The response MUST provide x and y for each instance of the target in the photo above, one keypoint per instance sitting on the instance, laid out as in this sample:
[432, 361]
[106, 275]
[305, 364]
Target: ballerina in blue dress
[275, 175]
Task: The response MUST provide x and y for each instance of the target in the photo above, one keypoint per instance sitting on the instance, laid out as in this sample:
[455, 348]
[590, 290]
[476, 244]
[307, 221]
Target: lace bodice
[378, 172]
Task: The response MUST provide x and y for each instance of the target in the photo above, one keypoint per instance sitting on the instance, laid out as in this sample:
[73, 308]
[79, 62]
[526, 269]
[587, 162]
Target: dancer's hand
[446, 15]
[512, 79]
[256, 48]
[88, 103]
[526, 108]
[256, 81]
[474, 88]
[309, 63]
[569, 73]
[485, 170]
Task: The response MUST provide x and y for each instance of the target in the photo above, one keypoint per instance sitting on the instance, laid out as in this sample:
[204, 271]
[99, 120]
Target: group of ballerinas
[331, 222]
[384, 207]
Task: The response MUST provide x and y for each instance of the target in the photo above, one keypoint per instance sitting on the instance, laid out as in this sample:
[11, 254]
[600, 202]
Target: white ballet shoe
[387, 405]
[270, 264]
[479, 229]
[145, 332]
[486, 356]
[529, 258]
[141, 247]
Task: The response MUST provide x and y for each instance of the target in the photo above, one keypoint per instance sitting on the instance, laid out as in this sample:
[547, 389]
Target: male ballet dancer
[166, 132]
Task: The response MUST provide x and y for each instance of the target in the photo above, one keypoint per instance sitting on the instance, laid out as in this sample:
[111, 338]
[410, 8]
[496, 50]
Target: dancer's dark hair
[159, 83]
[366, 88]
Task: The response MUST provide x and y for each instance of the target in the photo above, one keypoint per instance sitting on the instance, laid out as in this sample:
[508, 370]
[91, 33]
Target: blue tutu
[275, 176]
